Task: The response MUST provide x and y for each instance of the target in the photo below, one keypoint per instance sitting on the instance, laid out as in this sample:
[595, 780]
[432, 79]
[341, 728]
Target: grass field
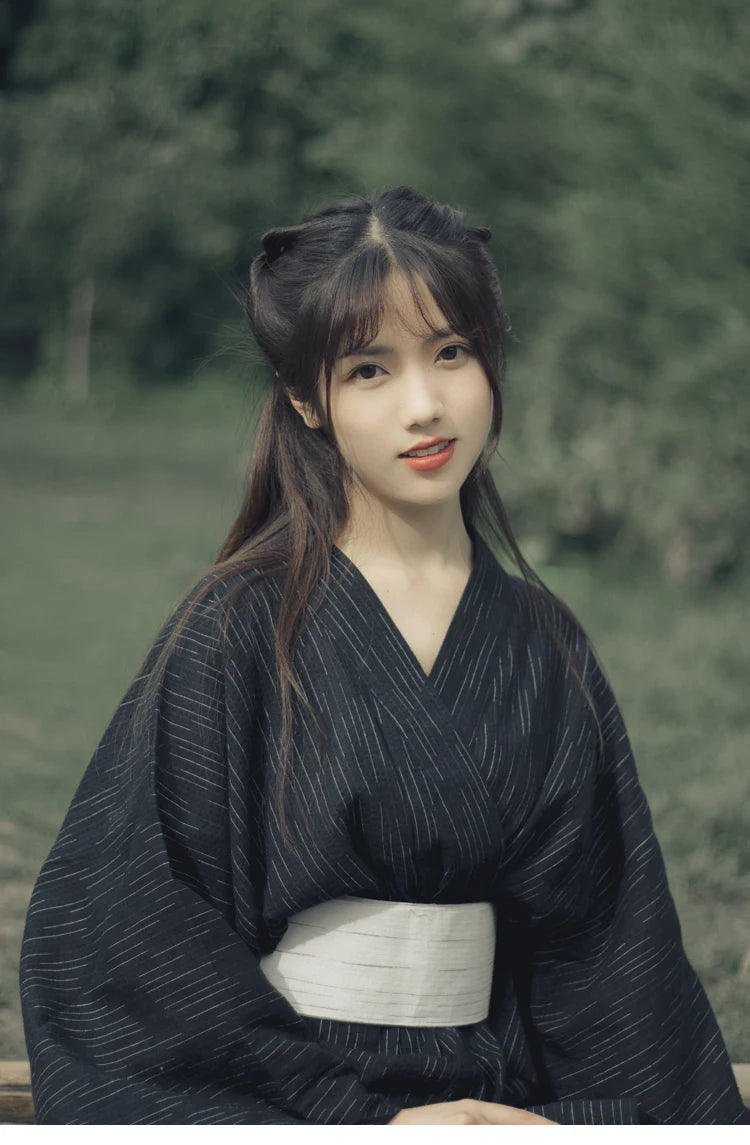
[108, 514]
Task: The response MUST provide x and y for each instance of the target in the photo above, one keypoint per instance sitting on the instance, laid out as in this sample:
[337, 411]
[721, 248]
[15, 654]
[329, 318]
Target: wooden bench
[17, 1108]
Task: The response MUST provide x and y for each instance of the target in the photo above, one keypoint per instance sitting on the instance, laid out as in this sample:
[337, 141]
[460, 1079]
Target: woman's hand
[467, 1112]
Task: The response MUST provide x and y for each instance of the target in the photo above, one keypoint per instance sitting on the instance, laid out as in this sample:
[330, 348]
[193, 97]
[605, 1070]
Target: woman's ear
[306, 413]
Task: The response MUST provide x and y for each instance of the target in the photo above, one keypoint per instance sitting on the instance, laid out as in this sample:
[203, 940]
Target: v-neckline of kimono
[380, 609]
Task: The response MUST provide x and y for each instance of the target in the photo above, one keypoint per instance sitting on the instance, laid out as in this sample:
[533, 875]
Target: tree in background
[151, 141]
[634, 400]
[125, 175]
[148, 145]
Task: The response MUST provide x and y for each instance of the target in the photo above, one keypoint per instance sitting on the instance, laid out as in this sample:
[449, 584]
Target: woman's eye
[455, 346]
[367, 366]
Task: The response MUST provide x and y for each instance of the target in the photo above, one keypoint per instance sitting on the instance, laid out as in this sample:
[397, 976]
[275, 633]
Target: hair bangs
[357, 303]
[460, 295]
[339, 319]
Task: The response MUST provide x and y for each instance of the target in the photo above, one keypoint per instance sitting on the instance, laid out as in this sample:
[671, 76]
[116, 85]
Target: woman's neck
[415, 545]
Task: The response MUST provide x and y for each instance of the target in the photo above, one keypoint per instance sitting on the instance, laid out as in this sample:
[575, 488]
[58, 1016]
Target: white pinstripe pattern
[143, 998]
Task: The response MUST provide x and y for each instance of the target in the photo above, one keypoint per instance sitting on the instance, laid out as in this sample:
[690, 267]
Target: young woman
[364, 841]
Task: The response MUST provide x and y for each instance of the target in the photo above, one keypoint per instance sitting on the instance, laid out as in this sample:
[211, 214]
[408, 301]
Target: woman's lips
[432, 460]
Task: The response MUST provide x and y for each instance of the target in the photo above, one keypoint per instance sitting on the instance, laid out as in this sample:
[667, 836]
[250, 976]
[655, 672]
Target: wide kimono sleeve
[613, 1007]
[143, 999]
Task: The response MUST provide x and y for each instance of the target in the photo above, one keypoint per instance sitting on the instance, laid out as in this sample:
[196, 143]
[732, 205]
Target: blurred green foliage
[144, 147]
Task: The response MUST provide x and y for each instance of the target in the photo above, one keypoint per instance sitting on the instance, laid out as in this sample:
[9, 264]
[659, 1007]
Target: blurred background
[144, 148]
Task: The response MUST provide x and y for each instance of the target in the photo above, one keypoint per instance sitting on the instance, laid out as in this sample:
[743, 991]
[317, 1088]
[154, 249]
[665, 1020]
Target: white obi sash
[387, 963]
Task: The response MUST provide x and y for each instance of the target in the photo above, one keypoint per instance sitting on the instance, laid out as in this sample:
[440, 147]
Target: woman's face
[409, 387]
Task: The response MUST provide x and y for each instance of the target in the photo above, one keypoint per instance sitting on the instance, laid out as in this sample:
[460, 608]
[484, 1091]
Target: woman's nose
[422, 401]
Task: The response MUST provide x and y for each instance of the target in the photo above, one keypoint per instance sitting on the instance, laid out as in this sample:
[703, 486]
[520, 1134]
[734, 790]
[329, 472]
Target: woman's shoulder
[526, 597]
[224, 608]
[539, 621]
[246, 586]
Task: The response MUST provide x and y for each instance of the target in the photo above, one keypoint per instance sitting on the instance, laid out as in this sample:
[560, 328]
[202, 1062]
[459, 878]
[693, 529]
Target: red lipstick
[431, 460]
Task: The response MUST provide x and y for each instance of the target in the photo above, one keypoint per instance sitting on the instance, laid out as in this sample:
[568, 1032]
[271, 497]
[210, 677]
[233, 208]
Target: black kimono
[143, 999]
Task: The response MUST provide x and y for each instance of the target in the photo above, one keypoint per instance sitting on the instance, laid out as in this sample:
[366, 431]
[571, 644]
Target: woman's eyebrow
[363, 351]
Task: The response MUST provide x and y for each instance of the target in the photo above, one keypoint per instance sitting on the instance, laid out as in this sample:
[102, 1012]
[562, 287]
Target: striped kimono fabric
[483, 781]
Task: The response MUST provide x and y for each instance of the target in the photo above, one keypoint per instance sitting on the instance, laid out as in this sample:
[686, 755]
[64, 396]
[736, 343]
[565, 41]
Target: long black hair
[317, 291]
